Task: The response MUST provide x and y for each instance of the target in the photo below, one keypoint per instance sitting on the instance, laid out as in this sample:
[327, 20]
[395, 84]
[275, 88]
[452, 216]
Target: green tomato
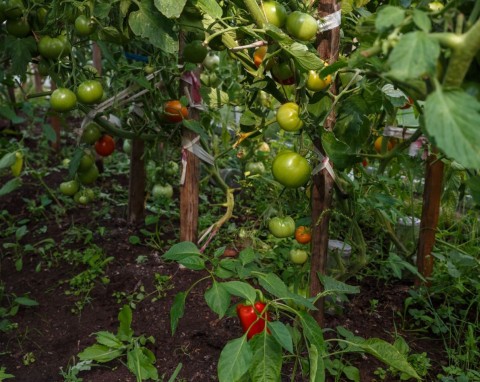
[210, 80]
[148, 69]
[255, 168]
[13, 9]
[63, 99]
[291, 169]
[298, 256]
[127, 146]
[283, 73]
[84, 26]
[195, 52]
[160, 191]
[171, 168]
[89, 176]
[262, 151]
[54, 47]
[212, 61]
[69, 188]
[302, 26]
[316, 83]
[288, 118]
[86, 162]
[435, 6]
[282, 227]
[91, 133]
[90, 92]
[18, 27]
[275, 13]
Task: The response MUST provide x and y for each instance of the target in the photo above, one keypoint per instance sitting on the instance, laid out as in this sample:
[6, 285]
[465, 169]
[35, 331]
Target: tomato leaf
[170, 8]
[20, 51]
[338, 152]
[150, 24]
[474, 184]
[414, 56]
[281, 333]
[421, 20]
[452, 118]
[389, 17]
[235, 360]
[177, 310]
[267, 358]
[217, 298]
[304, 58]
[210, 7]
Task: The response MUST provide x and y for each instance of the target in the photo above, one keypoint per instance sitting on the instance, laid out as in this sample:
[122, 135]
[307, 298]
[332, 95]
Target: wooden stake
[430, 212]
[136, 187]
[323, 183]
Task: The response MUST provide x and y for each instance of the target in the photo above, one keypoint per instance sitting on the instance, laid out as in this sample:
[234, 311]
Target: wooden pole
[323, 183]
[136, 187]
[189, 189]
[97, 58]
[430, 212]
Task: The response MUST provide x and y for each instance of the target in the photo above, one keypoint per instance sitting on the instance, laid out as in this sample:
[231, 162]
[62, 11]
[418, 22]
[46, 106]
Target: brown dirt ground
[55, 335]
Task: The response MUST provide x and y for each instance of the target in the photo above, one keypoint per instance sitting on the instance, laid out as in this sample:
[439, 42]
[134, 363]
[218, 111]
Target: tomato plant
[259, 55]
[288, 118]
[18, 27]
[69, 188]
[105, 145]
[379, 143]
[291, 169]
[174, 111]
[195, 52]
[303, 235]
[84, 26]
[86, 162]
[53, 47]
[301, 26]
[275, 13]
[298, 256]
[90, 92]
[211, 61]
[162, 191]
[171, 168]
[89, 176]
[63, 99]
[91, 133]
[281, 227]
[316, 83]
[255, 168]
[283, 73]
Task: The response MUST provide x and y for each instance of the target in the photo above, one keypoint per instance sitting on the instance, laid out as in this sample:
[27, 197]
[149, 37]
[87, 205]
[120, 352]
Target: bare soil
[54, 335]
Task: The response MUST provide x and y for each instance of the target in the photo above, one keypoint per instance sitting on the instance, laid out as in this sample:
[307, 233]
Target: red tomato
[105, 145]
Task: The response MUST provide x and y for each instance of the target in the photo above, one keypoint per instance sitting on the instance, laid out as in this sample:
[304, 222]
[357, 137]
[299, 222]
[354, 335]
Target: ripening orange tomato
[303, 234]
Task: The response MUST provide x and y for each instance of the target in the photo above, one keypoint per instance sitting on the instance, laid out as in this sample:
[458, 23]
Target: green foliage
[110, 346]
[262, 357]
